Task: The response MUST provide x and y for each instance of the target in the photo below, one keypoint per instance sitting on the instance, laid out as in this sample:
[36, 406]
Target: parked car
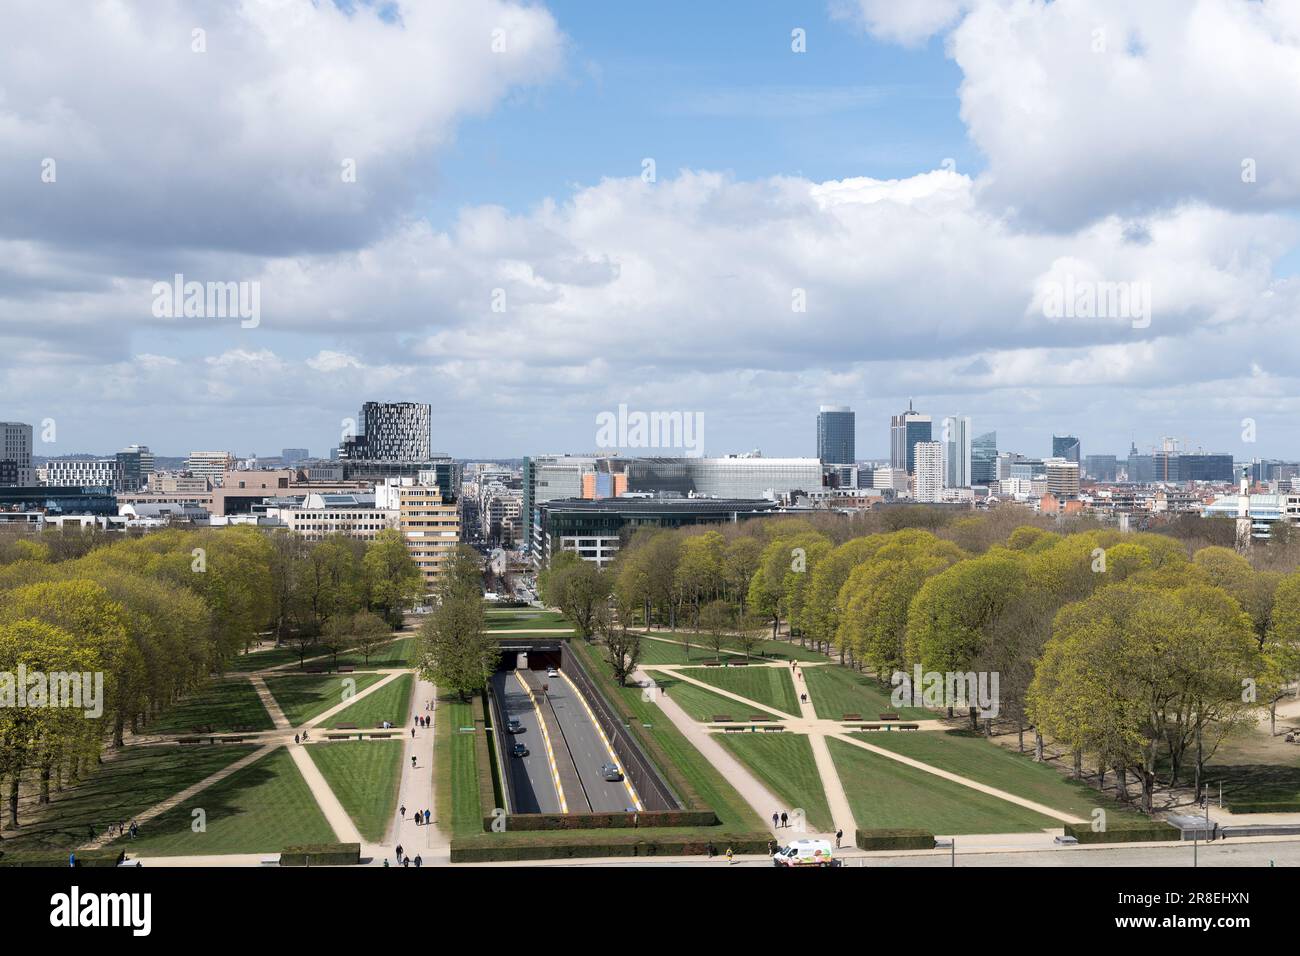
[519, 750]
[610, 772]
[514, 727]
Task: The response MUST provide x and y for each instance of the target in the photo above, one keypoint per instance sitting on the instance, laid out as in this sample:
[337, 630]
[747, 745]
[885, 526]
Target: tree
[369, 631]
[717, 619]
[455, 650]
[392, 579]
[622, 646]
[577, 587]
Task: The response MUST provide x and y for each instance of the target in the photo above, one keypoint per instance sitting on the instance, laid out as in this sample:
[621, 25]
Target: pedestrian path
[841, 812]
[269, 702]
[345, 831]
[416, 793]
[390, 676]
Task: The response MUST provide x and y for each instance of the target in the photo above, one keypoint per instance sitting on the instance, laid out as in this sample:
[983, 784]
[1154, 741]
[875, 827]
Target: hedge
[99, 858]
[607, 821]
[1265, 806]
[488, 797]
[503, 847]
[1152, 831]
[896, 839]
[322, 854]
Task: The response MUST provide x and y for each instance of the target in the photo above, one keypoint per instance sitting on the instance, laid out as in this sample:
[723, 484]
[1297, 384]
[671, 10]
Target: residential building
[85, 473]
[391, 431]
[927, 479]
[211, 465]
[16, 446]
[429, 523]
[1062, 477]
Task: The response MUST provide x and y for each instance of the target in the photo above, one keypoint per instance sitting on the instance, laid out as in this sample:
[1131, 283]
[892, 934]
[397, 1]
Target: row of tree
[1137, 651]
[157, 614]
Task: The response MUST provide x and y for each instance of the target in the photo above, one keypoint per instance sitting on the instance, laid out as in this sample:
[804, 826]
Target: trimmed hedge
[486, 766]
[1265, 806]
[1151, 831]
[322, 854]
[47, 858]
[904, 838]
[504, 847]
[607, 821]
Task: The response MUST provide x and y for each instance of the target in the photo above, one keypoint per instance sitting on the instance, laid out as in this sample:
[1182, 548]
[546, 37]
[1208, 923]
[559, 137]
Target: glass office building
[984, 459]
[836, 435]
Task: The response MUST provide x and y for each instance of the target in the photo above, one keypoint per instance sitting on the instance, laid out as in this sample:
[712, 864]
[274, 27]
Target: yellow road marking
[546, 739]
[627, 781]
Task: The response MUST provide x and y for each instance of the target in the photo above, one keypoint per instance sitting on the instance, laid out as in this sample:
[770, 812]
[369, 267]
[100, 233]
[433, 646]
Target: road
[588, 748]
[534, 784]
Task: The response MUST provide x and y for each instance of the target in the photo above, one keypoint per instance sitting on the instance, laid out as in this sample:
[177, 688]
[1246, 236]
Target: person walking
[418, 860]
[776, 819]
[729, 859]
[784, 819]
[427, 817]
[295, 739]
[839, 835]
[402, 811]
[399, 853]
[412, 733]
[412, 761]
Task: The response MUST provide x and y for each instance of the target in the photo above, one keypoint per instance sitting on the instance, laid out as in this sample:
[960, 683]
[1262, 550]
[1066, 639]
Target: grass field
[655, 651]
[516, 618]
[702, 704]
[258, 660]
[968, 754]
[397, 653]
[767, 686]
[223, 705]
[123, 787]
[456, 770]
[392, 702]
[837, 691]
[885, 793]
[364, 776]
[263, 808]
[303, 697]
[785, 763]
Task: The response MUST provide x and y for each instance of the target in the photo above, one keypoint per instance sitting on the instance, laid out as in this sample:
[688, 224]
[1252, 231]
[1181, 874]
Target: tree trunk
[1020, 736]
[44, 797]
[1038, 746]
[13, 799]
[1078, 764]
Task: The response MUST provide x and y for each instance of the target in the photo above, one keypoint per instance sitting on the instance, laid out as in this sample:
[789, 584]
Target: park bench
[907, 726]
[347, 727]
[737, 663]
[190, 740]
[337, 736]
[773, 729]
[721, 718]
[346, 668]
[230, 740]
[851, 717]
[271, 860]
[760, 716]
[733, 729]
[713, 663]
[380, 736]
[314, 670]
[888, 716]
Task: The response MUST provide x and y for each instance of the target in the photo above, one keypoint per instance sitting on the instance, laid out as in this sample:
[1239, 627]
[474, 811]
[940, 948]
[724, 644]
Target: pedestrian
[412, 761]
[135, 829]
[406, 861]
[784, 819]
[402, 811]
[385, 863]
[412, 733]
[399, 853]
[427, 816]
[771, 848]
[419, 819]
[839, 835]
[295, 739]
[776, 818]
[418, 860]
[72, 859]
[729, 860]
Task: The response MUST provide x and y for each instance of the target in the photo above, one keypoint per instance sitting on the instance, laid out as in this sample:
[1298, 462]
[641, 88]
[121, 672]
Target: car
[552, 672]
[519, 750]
[514, 727]
[610, 772]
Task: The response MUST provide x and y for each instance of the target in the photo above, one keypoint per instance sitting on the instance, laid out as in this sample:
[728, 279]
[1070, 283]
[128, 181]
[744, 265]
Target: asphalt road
[534, 785]
[588, 750]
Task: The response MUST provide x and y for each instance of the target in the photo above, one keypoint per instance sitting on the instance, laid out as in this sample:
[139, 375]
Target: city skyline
[703, 237]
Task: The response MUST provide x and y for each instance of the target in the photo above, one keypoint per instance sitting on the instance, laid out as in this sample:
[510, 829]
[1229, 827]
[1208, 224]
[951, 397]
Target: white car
[552, 672]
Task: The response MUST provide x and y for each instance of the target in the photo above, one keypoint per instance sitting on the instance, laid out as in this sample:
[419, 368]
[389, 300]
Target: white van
[808, 852]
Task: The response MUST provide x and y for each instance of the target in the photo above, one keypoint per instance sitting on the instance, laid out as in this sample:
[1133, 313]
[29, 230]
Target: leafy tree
[457, 654]
[392, 579]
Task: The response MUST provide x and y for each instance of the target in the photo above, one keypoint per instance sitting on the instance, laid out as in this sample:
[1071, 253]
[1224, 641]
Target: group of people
[404, 860]
[119, 829]
[422, 723]
[303, 740]
[421, 818]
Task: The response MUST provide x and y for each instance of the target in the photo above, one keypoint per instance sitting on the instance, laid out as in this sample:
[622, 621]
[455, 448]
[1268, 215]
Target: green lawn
[303, 697]
[785, 763]
[392, 702]
[397, 653]
[767, 686]
[525, 619]
[886, 793]
[837, 691]
[970, 755]
[258, 660]
[664, 651]
[263, 808]
[223, 705]
[456, 773]
[364, 775]
[121, 788]
[703, 704]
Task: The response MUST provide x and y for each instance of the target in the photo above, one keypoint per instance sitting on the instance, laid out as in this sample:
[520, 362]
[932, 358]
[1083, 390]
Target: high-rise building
[984, 459]
[956, 452]
[16, 447]
[905, 431]
[1062, 477]
[1101, 467]
[836, 435]
[429, 525]
[84, 473]
[391, 431]
[211, 465]
[927, 479]
[136, 465]
[1067, 447]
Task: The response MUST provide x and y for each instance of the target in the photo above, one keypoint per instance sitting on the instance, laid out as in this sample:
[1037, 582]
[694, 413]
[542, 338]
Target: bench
[338, 736]
[888, 716]
[346, 668]
[346, 727]
[721, 718]
[229, 740]
[271, 860]
[851, 717]
[773, 729]
[733, 729]
[737, 663]
[381, 736]
[761, 717]
[190, 740]
[713, 663]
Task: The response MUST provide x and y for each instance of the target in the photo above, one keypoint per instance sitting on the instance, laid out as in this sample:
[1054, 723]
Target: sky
[1057, 217]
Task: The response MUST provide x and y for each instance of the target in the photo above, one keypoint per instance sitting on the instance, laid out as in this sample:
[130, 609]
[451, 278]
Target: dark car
[610, 773]
[514, 727]
[519, 750]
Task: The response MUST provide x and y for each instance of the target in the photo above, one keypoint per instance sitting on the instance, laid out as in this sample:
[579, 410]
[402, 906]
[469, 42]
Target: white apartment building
[318, 515]
[928, 480]
[84, 473]
[211, 465]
